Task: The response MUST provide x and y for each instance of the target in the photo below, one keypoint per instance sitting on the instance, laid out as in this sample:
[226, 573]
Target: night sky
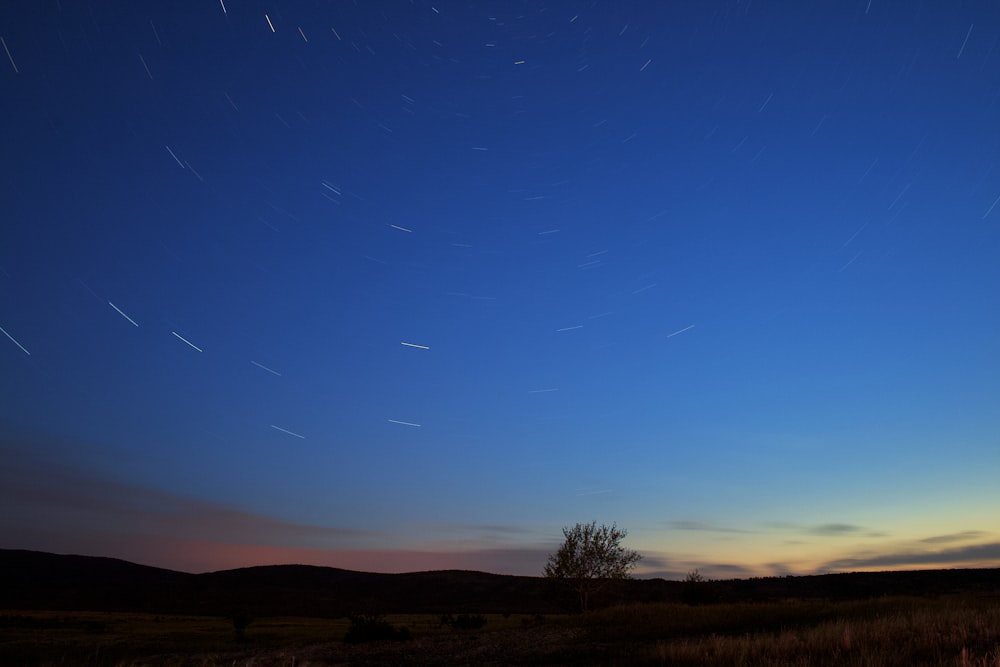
[398, 286]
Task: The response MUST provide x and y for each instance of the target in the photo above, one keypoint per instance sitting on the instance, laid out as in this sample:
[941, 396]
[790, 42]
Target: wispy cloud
[666, 568]
[826, 529]
[687, 524]
[964, 536]
[836, 529]
[60, 497]
[58, 507]
[55, 507]
[484, 528]
[977, 554]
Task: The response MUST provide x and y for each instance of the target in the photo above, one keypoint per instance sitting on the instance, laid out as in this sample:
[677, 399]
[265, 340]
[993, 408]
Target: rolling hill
[38, 580]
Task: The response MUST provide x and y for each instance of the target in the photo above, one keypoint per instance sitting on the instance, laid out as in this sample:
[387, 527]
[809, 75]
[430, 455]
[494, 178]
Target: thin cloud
[65, 509]
[684, 524]
[836, 529]
[652, 561]
[955, 537]
[665, 565]
[487, 528]
[104, 503]
[678, 570]
[730, 570]
[978, 554]
[780, 569]
[782, 525]
[825, 529]
[51, 498]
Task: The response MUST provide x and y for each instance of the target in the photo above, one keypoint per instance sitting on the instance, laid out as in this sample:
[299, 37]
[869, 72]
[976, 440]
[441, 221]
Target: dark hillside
[862, 585]
[323, 591]
[36, 580]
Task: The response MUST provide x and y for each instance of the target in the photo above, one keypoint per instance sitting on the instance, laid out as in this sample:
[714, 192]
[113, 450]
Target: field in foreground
[959, 630]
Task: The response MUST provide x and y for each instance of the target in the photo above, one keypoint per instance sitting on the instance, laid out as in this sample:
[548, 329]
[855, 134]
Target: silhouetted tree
[590, 557]
[697, 589]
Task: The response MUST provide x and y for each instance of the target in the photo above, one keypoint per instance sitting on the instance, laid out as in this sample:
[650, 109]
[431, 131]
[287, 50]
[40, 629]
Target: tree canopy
[591, 556]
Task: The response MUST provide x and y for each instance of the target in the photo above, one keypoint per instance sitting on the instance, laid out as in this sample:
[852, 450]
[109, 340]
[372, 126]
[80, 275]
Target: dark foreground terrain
[74, 610]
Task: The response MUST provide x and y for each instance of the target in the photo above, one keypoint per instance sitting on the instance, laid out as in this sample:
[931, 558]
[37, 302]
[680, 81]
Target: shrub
[241, 619]
[698, 590]
[373, 628]
[464, 621]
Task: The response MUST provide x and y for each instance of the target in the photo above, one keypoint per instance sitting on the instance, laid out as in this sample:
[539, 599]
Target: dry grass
[108, 639]
[959, 632]
[888, 632]
[93, 639]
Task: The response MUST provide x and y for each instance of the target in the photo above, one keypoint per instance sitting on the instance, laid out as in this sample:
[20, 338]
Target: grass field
[97, 639]
[883, 632]
[888, 631]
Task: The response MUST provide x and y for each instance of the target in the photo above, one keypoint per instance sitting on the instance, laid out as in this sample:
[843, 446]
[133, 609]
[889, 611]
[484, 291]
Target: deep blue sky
[723, 272]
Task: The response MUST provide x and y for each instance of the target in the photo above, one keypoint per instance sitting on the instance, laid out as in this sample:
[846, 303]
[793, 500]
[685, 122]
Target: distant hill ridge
[39, 580]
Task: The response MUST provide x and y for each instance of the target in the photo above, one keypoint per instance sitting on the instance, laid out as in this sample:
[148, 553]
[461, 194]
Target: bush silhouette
[464, 621]
[241, 619]
[373, 628]
[698, 590]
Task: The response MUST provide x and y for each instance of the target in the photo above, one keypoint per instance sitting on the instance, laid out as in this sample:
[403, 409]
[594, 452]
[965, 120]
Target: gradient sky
[398, 286]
